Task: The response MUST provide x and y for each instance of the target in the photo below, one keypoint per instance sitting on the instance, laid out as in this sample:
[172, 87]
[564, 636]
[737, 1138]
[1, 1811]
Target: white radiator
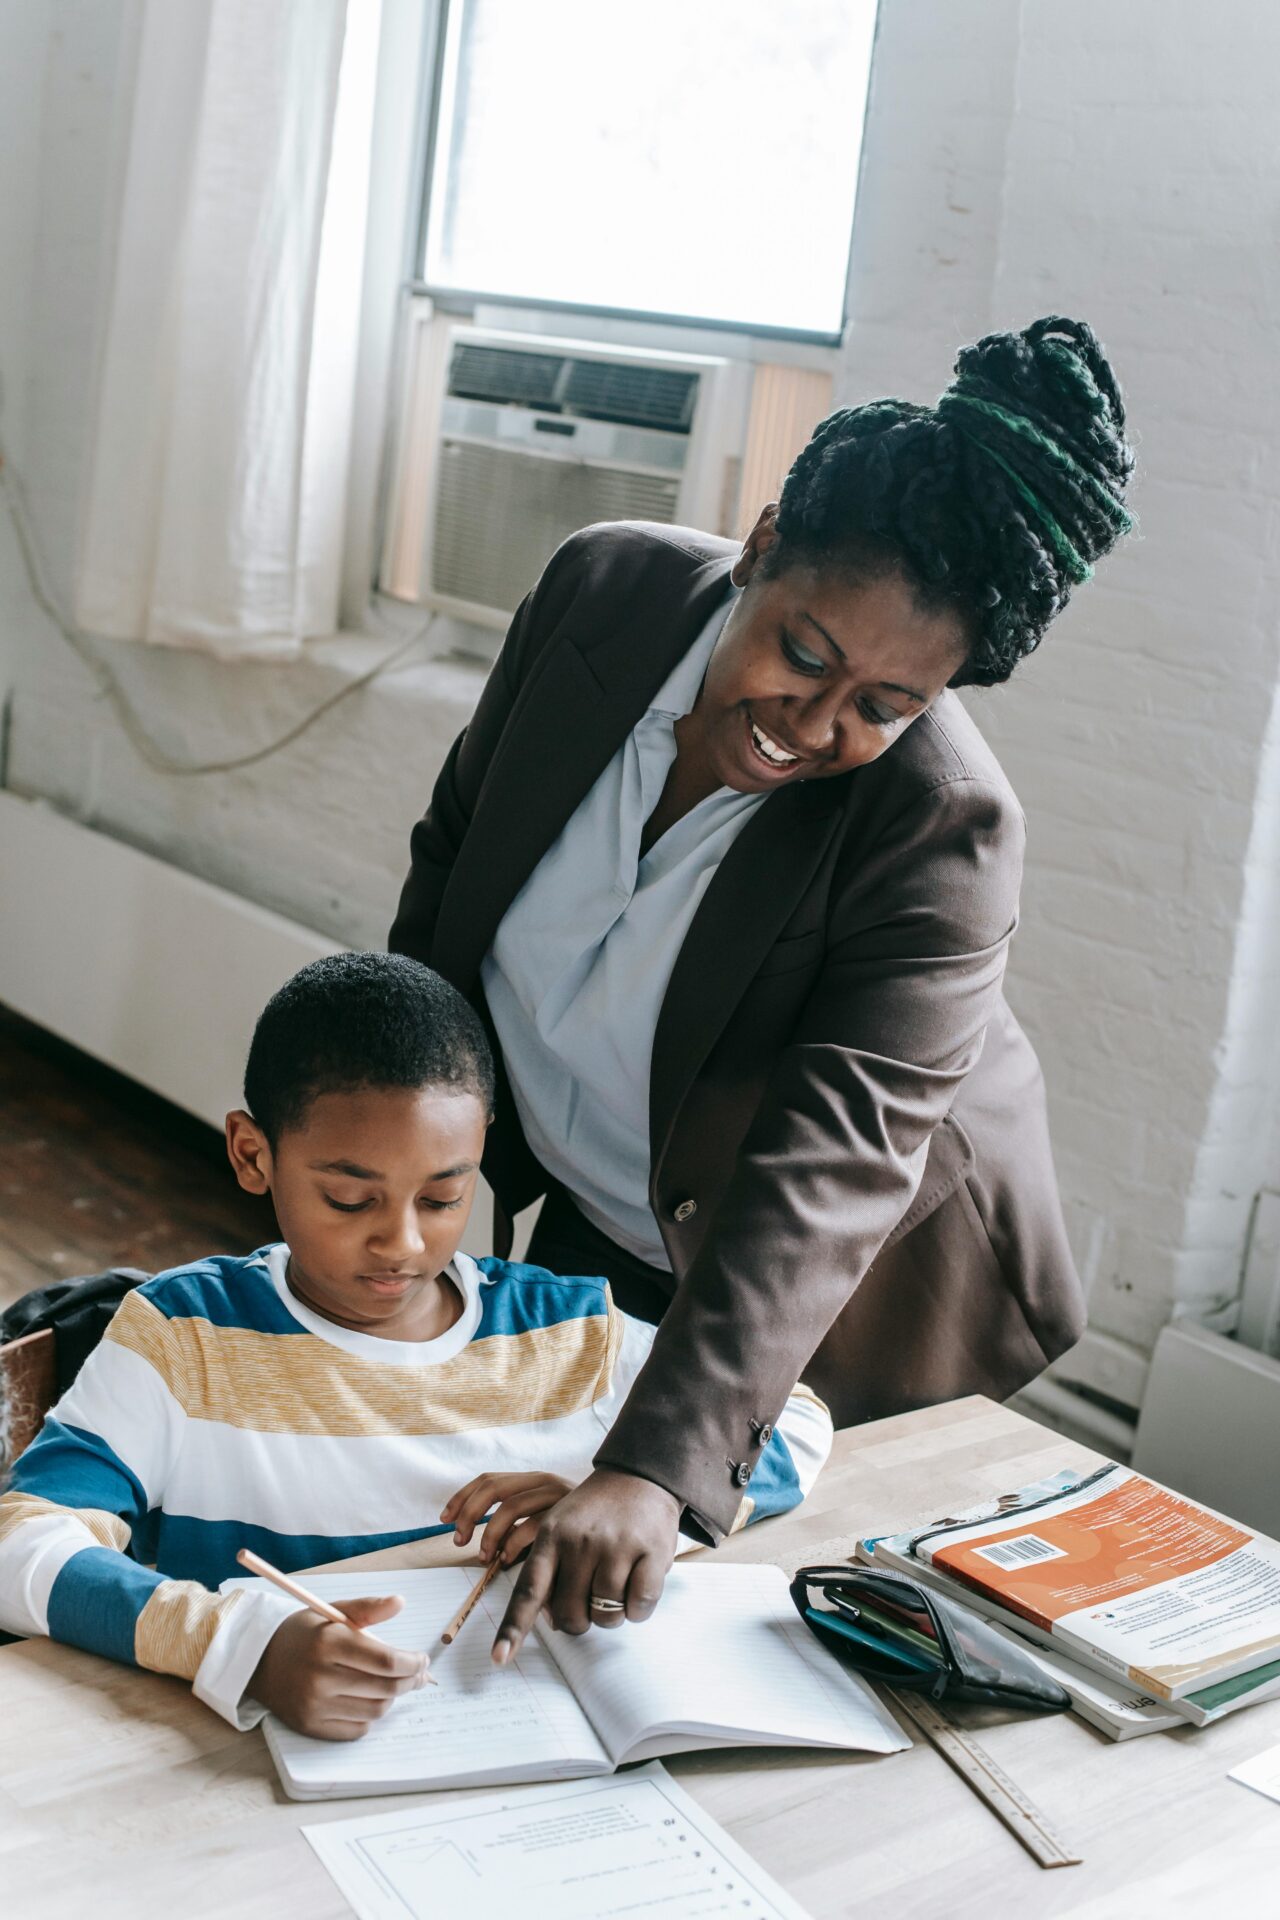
[1210, 1423]
[148, 968]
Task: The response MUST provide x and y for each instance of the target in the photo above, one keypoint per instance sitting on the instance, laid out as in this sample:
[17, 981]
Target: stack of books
[1151, 1611]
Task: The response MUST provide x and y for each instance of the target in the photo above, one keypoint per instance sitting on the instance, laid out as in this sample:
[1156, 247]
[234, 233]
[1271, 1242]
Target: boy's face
[372, 1192]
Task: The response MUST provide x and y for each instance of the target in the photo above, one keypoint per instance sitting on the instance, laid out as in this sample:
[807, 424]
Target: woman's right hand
[333, 1682]
[612, 1539]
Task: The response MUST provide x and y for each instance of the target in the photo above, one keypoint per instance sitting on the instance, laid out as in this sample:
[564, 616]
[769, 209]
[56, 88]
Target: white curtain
[227, 357]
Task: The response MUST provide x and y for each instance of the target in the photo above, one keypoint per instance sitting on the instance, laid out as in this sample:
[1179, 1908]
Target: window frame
[462, 301]
[402, 174]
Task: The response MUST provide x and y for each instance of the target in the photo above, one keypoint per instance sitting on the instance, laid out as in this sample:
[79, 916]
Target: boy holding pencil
[361, 1384]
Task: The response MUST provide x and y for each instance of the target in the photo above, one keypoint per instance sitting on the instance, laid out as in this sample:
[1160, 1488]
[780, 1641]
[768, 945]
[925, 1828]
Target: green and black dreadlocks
[994, 503]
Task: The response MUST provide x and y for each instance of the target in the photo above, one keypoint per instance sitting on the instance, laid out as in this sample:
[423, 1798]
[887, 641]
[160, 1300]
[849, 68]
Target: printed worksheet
[633, 1845]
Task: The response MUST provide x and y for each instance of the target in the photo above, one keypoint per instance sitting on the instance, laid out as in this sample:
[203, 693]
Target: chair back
[28, 1388]
[45, 1338]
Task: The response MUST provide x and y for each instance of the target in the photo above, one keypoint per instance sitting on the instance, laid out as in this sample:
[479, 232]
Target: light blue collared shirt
[579, 966]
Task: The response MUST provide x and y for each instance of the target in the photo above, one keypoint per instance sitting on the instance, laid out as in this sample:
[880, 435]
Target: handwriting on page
[477, 1717]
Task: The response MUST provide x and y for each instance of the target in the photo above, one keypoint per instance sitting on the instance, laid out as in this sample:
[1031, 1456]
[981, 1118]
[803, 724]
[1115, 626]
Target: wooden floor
[95, 1172]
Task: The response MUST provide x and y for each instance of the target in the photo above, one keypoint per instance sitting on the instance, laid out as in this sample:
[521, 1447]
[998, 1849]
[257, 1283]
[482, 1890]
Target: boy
[333, 1393]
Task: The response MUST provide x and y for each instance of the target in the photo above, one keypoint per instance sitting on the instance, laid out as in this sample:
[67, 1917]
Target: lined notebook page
[479, 1721]
[725, 1653]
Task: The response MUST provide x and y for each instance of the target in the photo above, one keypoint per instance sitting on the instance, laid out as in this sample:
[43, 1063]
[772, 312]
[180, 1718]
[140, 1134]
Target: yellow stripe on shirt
[108, 1529]
[613, 1347]
[173, 1632]
[144, 1330]
[742, 1518]
[287, 1383]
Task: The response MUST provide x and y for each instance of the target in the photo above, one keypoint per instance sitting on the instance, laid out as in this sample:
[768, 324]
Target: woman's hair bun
[1046, 403]
[995, 503]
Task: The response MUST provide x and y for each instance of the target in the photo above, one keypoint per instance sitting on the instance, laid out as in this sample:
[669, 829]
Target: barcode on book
[1021, 1551]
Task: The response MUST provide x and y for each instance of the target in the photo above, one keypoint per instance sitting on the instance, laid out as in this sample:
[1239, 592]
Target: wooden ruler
[991, 1783]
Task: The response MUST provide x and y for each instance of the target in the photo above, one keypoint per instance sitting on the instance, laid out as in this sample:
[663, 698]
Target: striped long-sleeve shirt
[220, 1412]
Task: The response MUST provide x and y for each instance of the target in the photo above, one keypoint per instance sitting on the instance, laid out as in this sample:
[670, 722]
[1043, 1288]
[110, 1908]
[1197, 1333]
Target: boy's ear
[248, 1152]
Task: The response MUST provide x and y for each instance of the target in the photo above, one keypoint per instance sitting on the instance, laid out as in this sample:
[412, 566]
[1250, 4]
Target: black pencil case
[888, 1627]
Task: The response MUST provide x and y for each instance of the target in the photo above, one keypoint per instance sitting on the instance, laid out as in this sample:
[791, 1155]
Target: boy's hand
[515, 1498]
[612, 1538]
[330, 1681]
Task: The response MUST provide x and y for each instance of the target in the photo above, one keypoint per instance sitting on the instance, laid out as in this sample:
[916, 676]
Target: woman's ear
[758, 542]
[248, 1152]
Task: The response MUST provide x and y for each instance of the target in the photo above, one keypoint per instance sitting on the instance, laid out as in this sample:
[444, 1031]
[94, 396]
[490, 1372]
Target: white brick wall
[1119, 162]
[929, 197]
[1142, 187]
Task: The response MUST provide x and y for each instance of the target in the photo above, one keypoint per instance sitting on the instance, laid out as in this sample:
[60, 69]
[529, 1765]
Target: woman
[733, 876]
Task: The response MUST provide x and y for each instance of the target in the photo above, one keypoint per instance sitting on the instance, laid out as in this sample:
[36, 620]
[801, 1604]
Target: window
[694, 160]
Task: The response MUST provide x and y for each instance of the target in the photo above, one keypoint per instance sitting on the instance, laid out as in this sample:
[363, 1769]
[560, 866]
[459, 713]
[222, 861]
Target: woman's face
[816, 673]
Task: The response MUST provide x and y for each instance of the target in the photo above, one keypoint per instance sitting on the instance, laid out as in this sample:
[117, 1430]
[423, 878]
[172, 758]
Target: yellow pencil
[459, 1619]
[254, 1563]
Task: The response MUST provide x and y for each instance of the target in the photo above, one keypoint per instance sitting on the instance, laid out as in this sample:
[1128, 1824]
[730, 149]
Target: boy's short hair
[356, 1020]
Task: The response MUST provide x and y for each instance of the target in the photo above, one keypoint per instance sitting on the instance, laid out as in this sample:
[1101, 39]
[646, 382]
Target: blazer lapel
[578, 705]
[758, 886]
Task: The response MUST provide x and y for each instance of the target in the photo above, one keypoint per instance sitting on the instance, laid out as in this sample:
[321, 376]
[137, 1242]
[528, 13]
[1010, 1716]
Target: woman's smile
[775, 756]
[774, 710]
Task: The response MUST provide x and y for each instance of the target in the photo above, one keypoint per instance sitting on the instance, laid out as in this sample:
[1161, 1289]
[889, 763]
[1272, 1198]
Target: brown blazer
[850, 1156]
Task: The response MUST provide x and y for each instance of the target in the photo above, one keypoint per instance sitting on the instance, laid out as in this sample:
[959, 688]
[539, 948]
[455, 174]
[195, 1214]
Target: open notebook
[724, 1662]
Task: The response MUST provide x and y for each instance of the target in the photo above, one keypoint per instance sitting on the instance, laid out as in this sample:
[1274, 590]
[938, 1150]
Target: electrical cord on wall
[142, 742]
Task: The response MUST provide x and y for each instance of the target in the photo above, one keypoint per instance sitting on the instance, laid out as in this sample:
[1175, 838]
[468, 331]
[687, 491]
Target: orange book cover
[1129, 1573]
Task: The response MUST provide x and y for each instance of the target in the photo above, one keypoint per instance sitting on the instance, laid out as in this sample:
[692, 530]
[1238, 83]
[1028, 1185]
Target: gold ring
[607, 1606]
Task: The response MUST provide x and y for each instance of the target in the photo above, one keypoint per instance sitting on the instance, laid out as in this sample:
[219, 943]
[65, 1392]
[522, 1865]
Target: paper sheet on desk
[634, 1844]
[1262, 1773]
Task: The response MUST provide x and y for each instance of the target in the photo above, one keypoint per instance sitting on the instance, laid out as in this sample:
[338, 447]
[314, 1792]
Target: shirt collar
[678, 692]
[462, 1270]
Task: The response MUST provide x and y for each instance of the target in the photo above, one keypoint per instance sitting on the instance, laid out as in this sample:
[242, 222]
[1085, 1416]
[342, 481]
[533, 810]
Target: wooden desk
[120, 1794]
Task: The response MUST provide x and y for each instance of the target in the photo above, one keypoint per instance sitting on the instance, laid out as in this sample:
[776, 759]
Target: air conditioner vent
[497, 373]
[500, 515]
[634, 396]
[514, 441]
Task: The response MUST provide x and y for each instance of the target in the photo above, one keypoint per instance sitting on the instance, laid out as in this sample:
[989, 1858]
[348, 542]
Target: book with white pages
[1103, 1699]
[1172, 1607]
[724, 1661]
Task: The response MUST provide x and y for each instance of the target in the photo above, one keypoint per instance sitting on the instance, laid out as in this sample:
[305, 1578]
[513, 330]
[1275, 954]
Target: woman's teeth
[776, 756]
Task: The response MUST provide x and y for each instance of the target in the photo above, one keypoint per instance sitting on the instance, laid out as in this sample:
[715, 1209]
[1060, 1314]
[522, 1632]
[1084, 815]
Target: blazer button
[685, 1211]
[742, 1473]
[762, 1430]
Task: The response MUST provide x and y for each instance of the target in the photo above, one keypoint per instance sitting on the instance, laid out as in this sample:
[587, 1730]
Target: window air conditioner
[513, 441]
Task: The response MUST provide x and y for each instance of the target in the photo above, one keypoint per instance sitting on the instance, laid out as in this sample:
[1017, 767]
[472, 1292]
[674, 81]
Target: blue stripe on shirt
[74, 1468]
[96, 1599]
[205, 1550]
[775, 1484]
[227, 1292]
[520, 1299]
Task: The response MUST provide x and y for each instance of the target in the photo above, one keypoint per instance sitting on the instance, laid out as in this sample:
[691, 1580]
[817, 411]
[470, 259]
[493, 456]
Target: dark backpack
[78, 1311]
